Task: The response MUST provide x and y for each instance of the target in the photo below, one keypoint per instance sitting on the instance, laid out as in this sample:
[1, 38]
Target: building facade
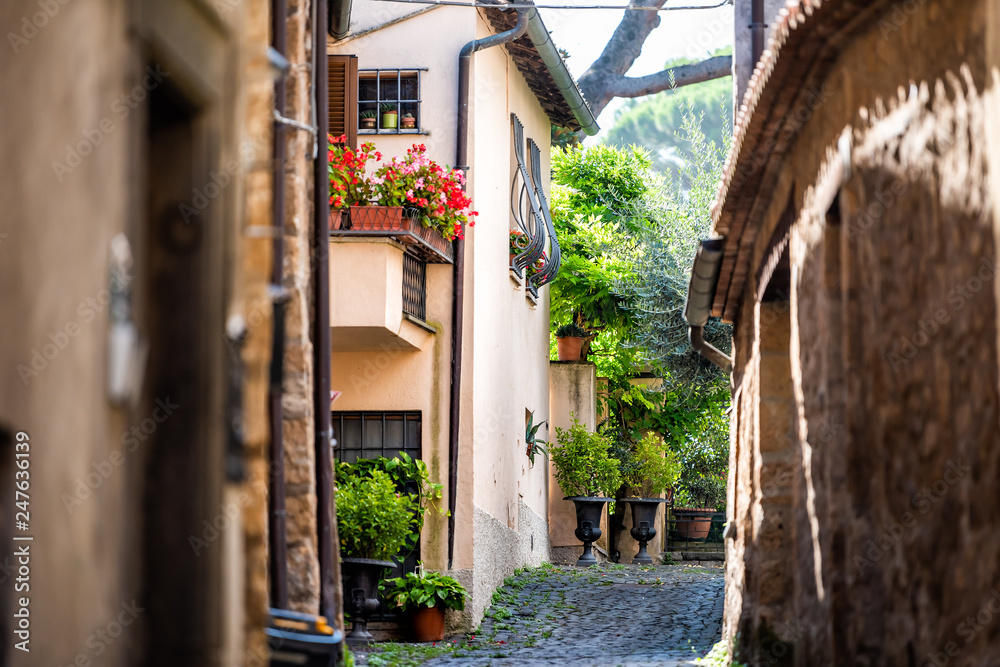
[137, 332]
[857, 259]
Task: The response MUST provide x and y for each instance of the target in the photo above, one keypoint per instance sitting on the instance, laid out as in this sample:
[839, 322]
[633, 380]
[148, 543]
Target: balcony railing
[400, 224]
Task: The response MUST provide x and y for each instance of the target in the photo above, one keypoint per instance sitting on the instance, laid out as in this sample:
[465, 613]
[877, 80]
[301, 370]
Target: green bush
[373, 519]
[424, 589]
[583, 464]
[655, 468]
[571, 330]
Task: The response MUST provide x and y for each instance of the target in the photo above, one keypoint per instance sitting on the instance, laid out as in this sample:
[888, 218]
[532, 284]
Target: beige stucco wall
[61, 86]
[502, 500]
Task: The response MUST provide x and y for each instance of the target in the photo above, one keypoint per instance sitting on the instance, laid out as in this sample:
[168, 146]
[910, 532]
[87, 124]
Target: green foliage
[373, 519]
[424, 589]
[387, 107]
[583, 464]
[667, 251]
[655, 121]
[655, 467]
[571, 330]
[533, 444]
[368, 113]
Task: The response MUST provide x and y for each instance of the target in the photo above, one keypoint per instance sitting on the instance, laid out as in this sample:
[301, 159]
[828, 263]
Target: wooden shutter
[342, 78]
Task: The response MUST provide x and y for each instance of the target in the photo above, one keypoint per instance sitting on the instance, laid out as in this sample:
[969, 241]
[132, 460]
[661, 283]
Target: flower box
[397, 223]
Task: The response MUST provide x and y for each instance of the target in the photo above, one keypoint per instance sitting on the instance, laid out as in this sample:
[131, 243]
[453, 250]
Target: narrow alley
[608, 615]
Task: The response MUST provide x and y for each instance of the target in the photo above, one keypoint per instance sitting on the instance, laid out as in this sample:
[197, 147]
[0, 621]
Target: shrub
[583, 465]
[655, 468]
[571, 330]
[424, 589]
[373, 519]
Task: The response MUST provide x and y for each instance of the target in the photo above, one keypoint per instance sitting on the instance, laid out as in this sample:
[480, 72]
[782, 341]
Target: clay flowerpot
[336, 218]
[693, 523]
[361, 577]
[377, 218]
[588, 525]
[569, 348]
[643, 525]
[408, 123]
[428, 624]
[367, 123]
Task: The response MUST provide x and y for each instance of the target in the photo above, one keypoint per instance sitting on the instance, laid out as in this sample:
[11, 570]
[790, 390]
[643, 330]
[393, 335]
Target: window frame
[378, 101]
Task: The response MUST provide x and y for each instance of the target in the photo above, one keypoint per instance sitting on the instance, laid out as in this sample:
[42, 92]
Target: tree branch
[684, 75]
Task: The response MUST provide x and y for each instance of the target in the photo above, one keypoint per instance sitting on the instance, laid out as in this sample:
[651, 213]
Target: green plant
[532, 442]
[407, 115]
[705, 491]
[572, 330]
[373, 519]
[655, 468]
[369, 113]
[387, 107]
[349, 182]
[424, 588]
[583, 465]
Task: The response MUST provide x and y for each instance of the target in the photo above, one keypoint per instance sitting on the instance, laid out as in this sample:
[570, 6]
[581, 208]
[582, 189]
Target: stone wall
[873, 398]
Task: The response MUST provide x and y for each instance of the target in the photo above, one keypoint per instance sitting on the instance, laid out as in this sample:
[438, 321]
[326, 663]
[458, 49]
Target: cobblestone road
[609, 615]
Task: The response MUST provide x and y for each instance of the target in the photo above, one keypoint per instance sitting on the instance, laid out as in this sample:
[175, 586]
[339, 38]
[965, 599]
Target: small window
[369, 435]
[389, 101]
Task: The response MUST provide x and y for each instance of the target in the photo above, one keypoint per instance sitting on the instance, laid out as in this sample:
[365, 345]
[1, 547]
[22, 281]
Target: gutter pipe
[277, 540]
[326, 524]
[340, 18]
[458, 297]
[542, 42]
[701, 292]
[757, 28]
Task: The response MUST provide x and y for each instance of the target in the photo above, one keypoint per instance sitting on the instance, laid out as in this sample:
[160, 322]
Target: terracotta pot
[408, 123]
[569, 348]
[377, 218]
[428, 624]
[693, 523]
[368, 123]
[336, 218]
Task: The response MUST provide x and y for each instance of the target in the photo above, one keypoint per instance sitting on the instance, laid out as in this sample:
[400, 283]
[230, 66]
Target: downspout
[329, 562]
[458, 305]
[701, 292]
[340, 18]
[277, 540]
[757, 31]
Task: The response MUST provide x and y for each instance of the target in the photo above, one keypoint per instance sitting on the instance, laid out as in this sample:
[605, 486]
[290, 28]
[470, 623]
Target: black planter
[643, 525]
[588, 525]
[361, 577]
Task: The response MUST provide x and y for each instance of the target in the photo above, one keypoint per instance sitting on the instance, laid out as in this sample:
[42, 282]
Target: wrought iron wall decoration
[530, 210]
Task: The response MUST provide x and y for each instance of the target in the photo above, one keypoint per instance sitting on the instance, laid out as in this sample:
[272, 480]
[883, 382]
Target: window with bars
[389, 101]
[414, 286]
[369, 435]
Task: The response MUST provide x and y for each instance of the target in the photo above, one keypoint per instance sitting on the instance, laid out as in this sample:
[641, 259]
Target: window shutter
[342, 78]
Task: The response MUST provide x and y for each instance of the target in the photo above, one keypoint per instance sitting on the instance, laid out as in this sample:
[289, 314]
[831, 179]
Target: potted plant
[374, 521]
[695, 505]
[425, 595]
[390, 116]
[569, 341]
[408, 121]
[653, 469]
[349, 183]
[532, 443]
[586, 471]
[368, 118]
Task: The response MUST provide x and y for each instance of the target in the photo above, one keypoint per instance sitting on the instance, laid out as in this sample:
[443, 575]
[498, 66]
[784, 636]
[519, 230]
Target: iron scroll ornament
[530, 210]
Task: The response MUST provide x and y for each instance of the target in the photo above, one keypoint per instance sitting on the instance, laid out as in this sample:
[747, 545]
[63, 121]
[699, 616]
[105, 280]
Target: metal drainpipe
[701, 291]
[329, 563]
[458, 305]
[277, 541]
[757, 28]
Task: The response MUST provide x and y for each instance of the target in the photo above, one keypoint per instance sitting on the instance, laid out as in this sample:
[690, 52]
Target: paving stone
[603, 616]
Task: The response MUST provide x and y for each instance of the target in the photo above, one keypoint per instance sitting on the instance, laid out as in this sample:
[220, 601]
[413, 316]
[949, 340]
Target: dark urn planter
[588, 525]
[643, 525]
[361, 577]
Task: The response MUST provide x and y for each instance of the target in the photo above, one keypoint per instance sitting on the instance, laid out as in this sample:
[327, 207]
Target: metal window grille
[414, 286]
[369, 435]
[400, 87]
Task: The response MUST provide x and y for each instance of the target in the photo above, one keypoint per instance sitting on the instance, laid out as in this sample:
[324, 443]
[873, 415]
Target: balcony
[378, 281]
